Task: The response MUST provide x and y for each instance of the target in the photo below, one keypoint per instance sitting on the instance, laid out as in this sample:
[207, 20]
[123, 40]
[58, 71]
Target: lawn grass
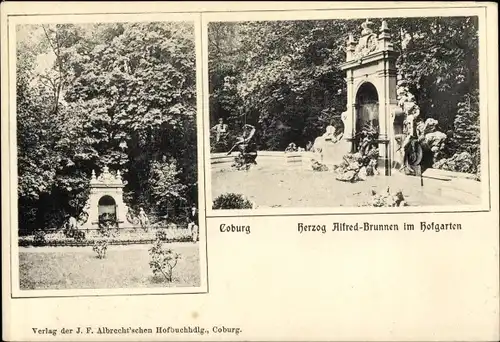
[269, 187]
[124, 267]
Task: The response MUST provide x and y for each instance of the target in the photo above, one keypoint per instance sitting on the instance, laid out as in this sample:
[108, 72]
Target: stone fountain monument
[378, 102]
[371, 94]
[106, 196]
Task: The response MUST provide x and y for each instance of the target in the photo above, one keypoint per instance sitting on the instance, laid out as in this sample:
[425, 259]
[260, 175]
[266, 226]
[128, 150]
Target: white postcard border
[16, 292]
[397, 10]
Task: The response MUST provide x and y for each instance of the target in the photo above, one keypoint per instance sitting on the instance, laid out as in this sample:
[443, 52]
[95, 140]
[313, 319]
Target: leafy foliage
[100, 247]
[459, 162]
[79, 236]
[125, 237]
[357, 166]
[283, 76]
[464, 149]
[161, 235]
[90, 95]
[39, 238]
[76, 234]
[466, 133]
[231, 201]
[165, 186]
[163, 261]
[439, 60]
[105, 233]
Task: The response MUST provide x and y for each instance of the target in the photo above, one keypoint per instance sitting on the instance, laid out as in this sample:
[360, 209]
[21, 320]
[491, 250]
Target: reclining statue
[329, 136]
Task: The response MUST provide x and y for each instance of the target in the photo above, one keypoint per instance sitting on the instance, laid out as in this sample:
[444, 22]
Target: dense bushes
[232, 201]
[465, 142]
[357, 166]
[100, 247]
[118, 94]
[122, 237]
[459, 162]
[161, 235]
[283, 77]
[76, 234]
[39, 239]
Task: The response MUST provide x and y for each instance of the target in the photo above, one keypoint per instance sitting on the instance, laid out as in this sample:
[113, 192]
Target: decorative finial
[384, 26]
[118, 175]
[93, 175]
[385, 37]
[105, 169]
[366, 27]
[351, 38]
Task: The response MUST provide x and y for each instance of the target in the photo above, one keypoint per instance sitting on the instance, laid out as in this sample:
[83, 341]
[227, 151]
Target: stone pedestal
[333, 152]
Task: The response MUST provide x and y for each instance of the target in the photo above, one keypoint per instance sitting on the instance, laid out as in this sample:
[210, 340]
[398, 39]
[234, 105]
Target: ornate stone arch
[371, 60]
[107, 186]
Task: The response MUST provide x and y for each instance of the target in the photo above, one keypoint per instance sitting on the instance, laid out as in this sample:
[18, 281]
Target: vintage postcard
[105, 115]
[275, 171]
[336, 111]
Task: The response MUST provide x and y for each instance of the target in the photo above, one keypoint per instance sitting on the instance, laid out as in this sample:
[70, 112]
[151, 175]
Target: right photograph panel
[345, 113]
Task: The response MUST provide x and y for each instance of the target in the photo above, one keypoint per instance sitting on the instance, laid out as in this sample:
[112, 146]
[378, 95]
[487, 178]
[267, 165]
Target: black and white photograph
[250, 171]
[107, 158]
[364, 112]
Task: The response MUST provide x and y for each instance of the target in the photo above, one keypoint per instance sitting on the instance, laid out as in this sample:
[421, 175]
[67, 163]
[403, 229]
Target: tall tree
[119, 94]
[283, 75]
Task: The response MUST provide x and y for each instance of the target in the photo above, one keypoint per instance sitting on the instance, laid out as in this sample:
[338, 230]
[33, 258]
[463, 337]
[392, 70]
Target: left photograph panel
[105, 157]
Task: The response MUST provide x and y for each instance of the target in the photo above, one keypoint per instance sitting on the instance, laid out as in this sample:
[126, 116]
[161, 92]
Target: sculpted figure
[329, 133]
[247, 147]
[72, 224]
[193, 224]
[347, 124]
[292, 147]
[143, 219]
[366, 27]
[221, 130]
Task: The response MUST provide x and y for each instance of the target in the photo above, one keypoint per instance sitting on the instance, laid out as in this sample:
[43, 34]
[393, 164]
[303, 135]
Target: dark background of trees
[122, 95]
[134, 84]
[283, 76]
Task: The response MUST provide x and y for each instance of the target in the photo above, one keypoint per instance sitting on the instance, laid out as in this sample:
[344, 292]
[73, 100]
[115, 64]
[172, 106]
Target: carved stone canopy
[107, 185]
[371, 60]
[366, 29]
[369, 42]
[106, 178]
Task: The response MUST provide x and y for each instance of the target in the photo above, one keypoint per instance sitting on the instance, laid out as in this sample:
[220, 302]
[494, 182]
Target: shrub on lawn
[100, 247]
[105, 234]
[232, 201]
[163, 261]
[39, 238]
[161, 235]
[75, 234]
